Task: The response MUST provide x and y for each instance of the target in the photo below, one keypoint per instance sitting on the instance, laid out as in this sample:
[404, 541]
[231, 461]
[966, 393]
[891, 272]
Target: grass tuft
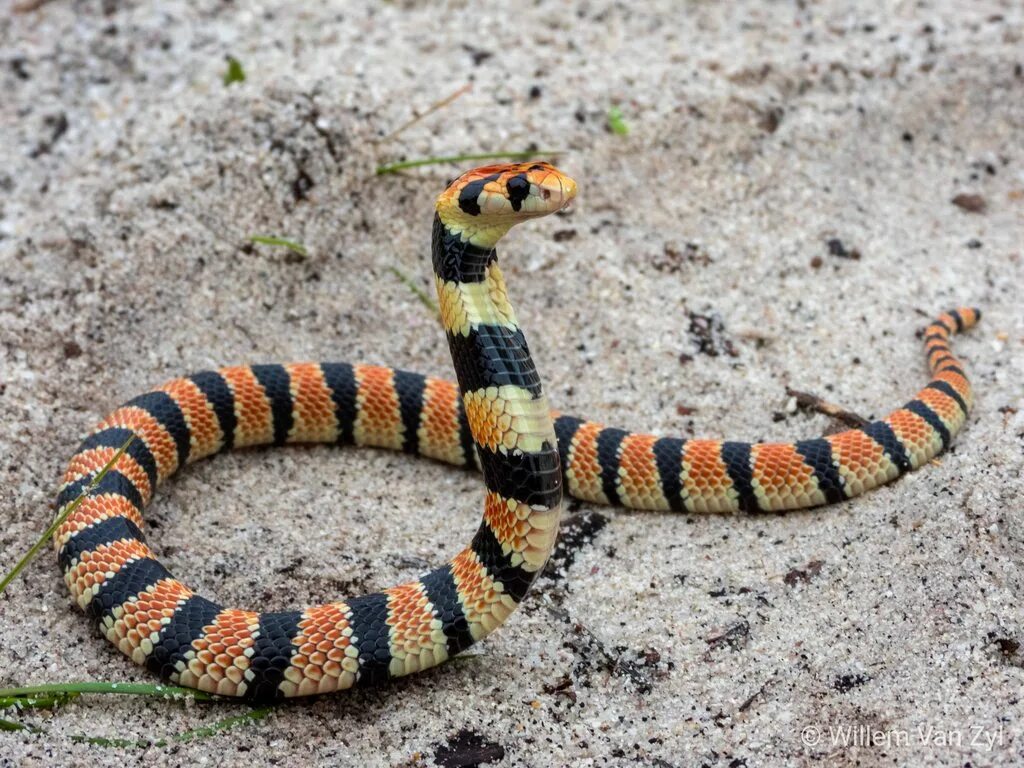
[616, 123]
[234, 73]
[280, 242]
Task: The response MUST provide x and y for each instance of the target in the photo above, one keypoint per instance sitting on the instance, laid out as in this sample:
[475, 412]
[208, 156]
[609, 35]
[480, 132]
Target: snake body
[495, 419]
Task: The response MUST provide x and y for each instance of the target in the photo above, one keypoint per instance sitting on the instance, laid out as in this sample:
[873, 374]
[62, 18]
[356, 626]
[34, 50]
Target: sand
[786, 181]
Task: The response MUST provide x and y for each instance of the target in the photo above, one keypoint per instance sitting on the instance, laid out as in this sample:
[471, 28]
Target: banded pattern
[503, 420]
[496, 420]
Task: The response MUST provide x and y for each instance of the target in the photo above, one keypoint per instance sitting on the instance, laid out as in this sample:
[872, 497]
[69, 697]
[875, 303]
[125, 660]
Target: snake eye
[518, 190]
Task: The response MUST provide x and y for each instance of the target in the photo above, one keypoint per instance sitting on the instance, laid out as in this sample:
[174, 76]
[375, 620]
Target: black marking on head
[882, 434]
[946, 388]
[518, 190]
[217, 392]
[469, 196]
[341, 380]
[186, 624]
[372, 637]
[609, 440]
[276, 385]
[492, 356]
[97, 535]
[272, 654]
[922, 409]
[817, 454]
[515, 580]
[736, 457]
[439, 586]
[115, 437]
[668, 457]
[409, 388]
[162, 407]
[531, 478]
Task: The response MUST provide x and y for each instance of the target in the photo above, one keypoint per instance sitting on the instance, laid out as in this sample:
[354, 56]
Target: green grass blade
[281, 242]
[420, 294]
[14, 696]
[8, 725]
[253, 716]
[195, 734]
[30, 555]
[235, 73]
[616, 123]
[395, 167]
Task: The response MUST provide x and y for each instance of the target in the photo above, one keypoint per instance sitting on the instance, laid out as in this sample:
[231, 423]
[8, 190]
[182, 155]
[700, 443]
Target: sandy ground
[131, 178]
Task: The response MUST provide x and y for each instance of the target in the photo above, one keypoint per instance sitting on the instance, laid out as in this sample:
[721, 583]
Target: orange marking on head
[205, 434]
[378, 417]
[439, 436]
[255, 422]
[583, 471]
[313, 407]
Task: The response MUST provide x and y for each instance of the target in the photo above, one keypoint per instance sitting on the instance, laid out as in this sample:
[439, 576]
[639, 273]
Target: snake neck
[505, 406]
[461, 254]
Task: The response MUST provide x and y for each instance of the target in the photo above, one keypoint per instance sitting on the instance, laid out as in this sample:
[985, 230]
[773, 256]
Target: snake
[494, 419]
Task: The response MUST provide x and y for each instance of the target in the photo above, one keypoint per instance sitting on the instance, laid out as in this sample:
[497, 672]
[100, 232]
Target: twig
[428, 111]
[815, 403]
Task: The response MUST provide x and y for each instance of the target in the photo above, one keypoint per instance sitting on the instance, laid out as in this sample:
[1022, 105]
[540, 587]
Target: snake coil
[496, 419]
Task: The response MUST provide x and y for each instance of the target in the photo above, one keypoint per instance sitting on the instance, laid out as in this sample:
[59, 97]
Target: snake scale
[495, 419]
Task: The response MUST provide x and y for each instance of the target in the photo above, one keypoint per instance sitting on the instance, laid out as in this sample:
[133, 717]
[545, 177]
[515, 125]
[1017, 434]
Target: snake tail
[605, 465]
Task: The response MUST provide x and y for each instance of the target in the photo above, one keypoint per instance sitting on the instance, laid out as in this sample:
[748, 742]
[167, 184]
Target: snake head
[495, 197]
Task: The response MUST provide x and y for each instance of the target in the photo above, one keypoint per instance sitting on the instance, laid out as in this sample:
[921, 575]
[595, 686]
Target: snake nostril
[545, 193]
